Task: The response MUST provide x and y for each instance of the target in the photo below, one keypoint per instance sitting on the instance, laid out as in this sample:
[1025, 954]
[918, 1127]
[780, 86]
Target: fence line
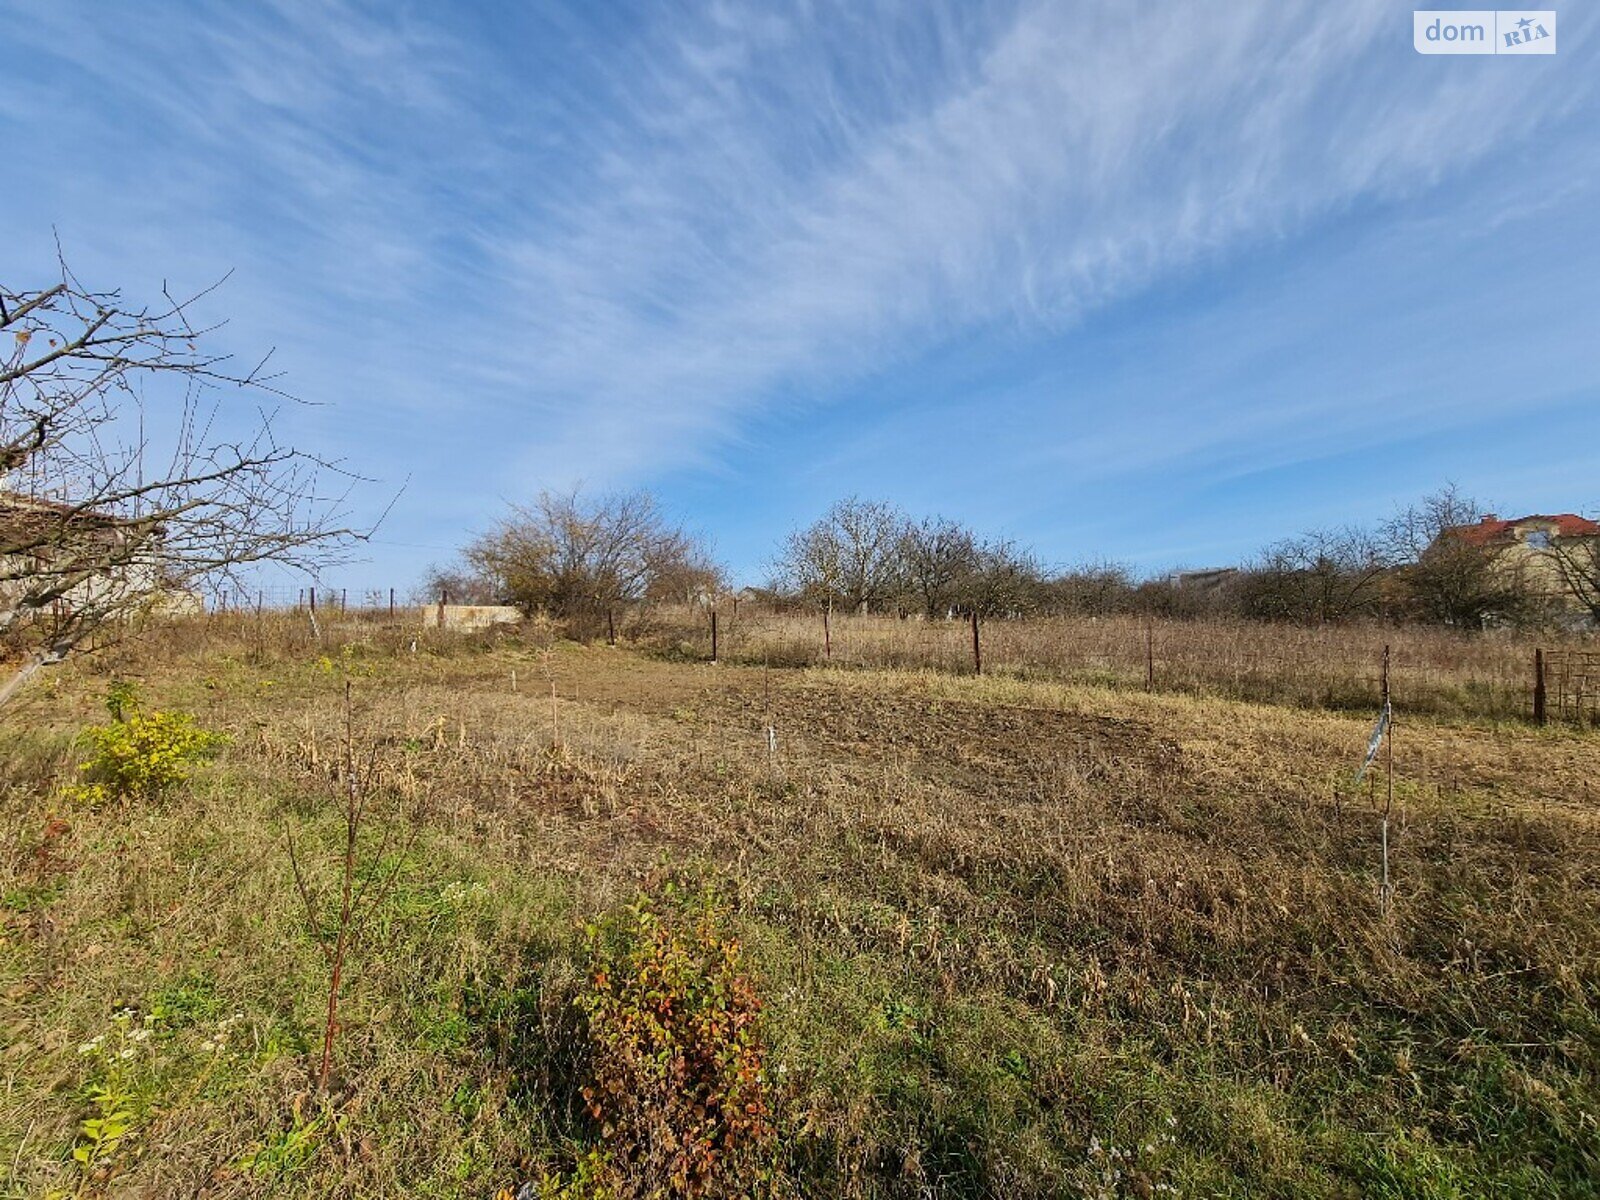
[1437, 670]
[318, 597]
[1572, 679]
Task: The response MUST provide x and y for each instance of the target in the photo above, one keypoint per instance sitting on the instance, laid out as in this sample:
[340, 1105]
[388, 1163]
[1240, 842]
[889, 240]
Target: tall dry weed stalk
[363, 884]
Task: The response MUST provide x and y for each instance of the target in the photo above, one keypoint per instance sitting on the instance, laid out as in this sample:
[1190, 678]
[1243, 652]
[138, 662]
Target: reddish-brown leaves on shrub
[678, 1084]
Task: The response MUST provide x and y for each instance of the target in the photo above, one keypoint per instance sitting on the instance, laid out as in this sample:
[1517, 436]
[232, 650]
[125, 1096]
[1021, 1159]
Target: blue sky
[1158, 282]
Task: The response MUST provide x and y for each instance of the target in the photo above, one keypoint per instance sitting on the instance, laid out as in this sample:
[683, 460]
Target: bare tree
[1578, 561]
[849, 559]
[1450, 576]
[1322, 576]
[1093, 589]
[460, 582]
[937, 557]
[687, 577]
[1005, 580]
[576, 558]
[126, 478]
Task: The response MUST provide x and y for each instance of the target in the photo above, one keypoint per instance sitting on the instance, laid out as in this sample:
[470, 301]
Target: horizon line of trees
[581, 559]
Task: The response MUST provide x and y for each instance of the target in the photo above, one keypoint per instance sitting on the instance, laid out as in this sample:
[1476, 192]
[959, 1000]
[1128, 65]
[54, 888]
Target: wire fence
[1443, 671]
[1569, 686]
[313, 597]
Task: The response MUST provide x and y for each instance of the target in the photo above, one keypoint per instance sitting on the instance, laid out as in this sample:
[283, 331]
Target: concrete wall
[469, 616]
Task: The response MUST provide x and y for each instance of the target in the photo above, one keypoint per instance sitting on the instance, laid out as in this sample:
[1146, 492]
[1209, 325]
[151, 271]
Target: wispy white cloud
[1068, 160]
[533, 249]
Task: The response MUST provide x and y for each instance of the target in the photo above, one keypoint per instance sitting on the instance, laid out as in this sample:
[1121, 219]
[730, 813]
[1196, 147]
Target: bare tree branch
[91, 537]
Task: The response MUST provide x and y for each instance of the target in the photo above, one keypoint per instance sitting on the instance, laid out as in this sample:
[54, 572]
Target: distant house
[1534, 533]
[42, 538]
[1529, 544]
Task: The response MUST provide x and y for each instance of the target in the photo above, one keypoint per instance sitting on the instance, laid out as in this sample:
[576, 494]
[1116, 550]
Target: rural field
[1034, 933]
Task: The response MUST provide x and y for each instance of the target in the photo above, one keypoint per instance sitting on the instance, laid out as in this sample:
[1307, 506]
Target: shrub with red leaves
[678, 1087]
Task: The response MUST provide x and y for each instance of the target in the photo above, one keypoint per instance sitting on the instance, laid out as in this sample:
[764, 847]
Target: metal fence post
[1538, 687]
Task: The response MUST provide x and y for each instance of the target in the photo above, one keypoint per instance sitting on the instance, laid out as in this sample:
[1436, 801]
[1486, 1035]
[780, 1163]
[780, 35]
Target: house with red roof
[1559, 554]
[1536, 532]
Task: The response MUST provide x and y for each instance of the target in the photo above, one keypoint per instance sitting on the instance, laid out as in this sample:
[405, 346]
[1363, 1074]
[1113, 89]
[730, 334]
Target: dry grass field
[1031, 934]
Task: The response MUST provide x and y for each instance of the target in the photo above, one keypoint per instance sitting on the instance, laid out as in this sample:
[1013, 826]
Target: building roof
[1491, 529]
[25, 519]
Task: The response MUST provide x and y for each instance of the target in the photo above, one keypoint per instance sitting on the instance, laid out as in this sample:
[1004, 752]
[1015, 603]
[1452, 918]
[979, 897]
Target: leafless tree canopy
[1578, 561]
[136, 468]
[866, 554]
[1447, 579]
[849, 559]
[575, 557]
[1322, 576]
[456, 583]
[1096, 589]
[939, 557]
[1422, 565]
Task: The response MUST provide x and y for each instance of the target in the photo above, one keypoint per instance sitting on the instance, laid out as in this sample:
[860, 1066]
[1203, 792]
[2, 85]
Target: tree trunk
[34, 663]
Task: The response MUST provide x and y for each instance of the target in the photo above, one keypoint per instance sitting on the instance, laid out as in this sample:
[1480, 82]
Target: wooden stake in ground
[977, 648]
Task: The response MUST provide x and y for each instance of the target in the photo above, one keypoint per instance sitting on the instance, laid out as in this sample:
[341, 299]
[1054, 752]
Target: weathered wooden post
[611, 628]
[977, 648]
[1149, 656]
[827, 632]
[391, 606]
[1538, 688]
[312, 592]
[713, 635]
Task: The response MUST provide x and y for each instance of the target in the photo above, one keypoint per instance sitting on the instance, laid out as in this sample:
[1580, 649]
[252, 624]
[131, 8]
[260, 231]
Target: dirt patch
[979, 745]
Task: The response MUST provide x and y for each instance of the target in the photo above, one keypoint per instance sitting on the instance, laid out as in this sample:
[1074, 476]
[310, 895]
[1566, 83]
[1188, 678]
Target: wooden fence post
[611, 628]
[312, 592]
[1538, 688]
[977, 648]
[713, 635]
[391, 605]
[1149, 656]
[827, 633]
